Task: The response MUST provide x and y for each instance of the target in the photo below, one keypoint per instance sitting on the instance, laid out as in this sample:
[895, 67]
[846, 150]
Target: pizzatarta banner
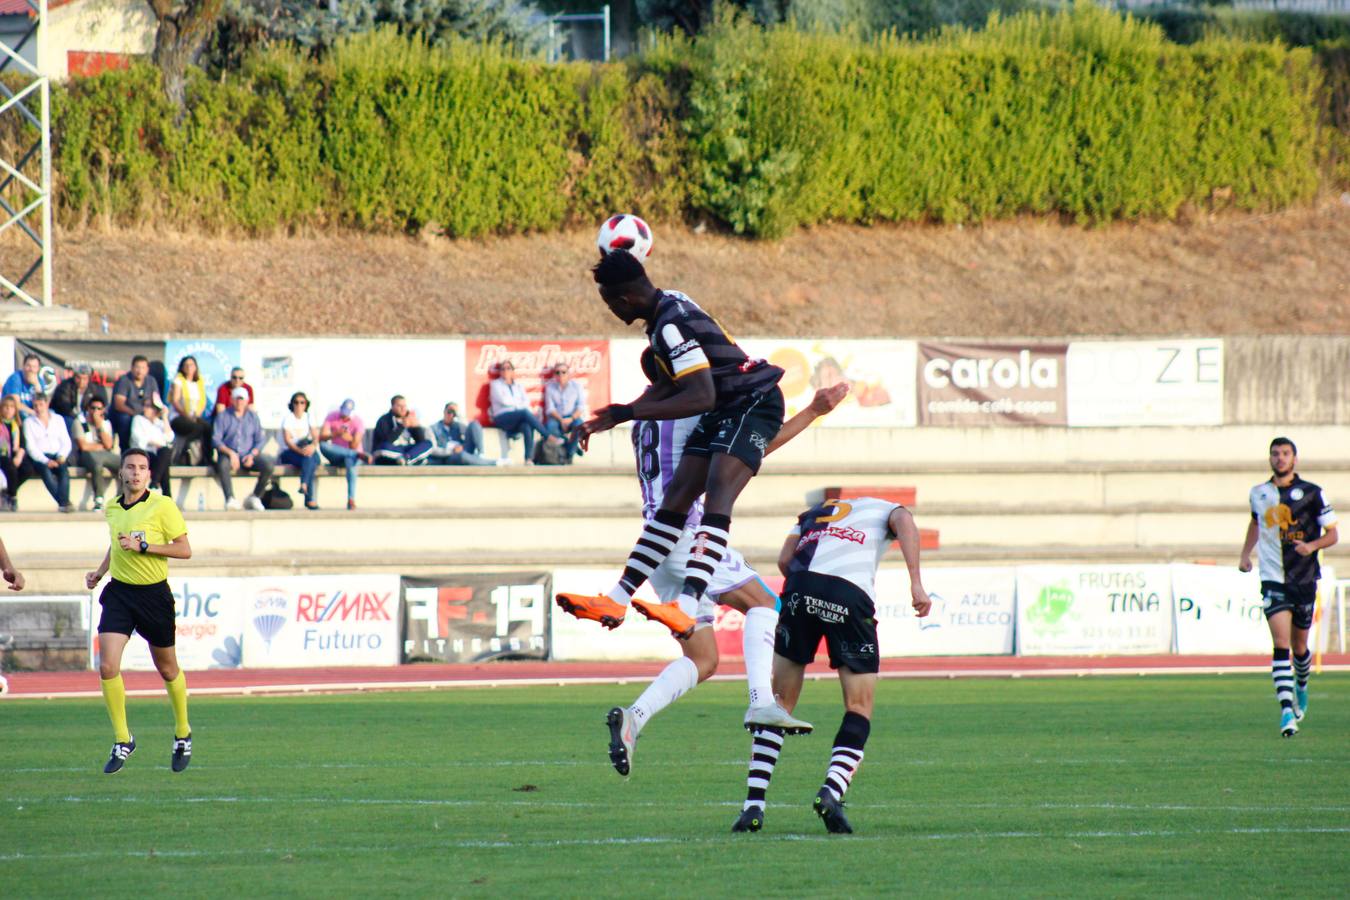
[1094, 610]
[476, 618]
[534, 361]
[991, 384]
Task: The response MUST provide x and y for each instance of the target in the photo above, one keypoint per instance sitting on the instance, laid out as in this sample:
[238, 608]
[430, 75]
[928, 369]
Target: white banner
[1093, 610]
[626, 381]
[574, 639]
[210, 625]
[972, 614]
[430, 373]
[1145, 382]
[322, 620]
[1218, 610]
[880, 374]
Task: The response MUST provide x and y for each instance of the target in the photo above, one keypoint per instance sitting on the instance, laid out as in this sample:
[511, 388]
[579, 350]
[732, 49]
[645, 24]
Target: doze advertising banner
[972, 613]
[322, 620]
[534, 361]
[1127, 383]
[991, 384]
[1093, 610]
[210, 625]
[476, 618]
[1218, 610]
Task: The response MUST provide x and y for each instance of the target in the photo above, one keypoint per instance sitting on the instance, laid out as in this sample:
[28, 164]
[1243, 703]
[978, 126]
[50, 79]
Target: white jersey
[658, 447]
[844, 538]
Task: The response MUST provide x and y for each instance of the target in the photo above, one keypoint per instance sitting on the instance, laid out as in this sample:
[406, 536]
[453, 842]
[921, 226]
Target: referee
[146, 530]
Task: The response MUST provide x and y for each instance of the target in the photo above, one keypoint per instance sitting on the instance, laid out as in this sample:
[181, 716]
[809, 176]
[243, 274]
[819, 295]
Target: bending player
[830, 560]
[740, 411]
[657, 446]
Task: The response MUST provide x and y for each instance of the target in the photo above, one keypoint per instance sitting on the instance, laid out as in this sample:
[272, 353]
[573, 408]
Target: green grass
[1070, 787]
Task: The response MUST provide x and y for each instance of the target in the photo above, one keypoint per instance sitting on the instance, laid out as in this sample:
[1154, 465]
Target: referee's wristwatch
[144, 546]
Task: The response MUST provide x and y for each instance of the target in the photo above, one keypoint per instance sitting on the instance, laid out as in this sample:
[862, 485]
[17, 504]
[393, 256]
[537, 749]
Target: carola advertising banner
[1218, 610]
[534, 361]
[972, 614]
[210, 625]
[476, 618]
[322, 620]
[880, 375]
[1093, 610]
[1127, 383]
[991, 384]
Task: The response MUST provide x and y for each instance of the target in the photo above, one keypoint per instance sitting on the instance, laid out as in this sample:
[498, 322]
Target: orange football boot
[669, 615]
[596, 608]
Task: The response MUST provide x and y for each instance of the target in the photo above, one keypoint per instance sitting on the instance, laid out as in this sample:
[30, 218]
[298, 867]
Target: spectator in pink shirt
[341, 443]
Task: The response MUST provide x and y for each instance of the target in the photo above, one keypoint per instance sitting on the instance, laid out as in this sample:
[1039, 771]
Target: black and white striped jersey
[1283, 515]
[686, 339]
[844, 538]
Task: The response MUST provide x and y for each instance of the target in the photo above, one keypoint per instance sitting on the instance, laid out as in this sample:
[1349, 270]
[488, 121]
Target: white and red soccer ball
[625, 232]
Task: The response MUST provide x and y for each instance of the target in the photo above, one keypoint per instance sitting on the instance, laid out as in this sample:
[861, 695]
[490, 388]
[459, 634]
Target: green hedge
[1081, 113]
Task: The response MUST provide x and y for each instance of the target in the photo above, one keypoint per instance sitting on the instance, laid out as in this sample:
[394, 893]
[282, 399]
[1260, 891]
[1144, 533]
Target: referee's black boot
[182, 752]
[118, 758]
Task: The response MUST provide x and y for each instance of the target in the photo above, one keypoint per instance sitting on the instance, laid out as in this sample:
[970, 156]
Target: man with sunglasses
[94, 447]
[225, 393]
[132, 392]
[565, 408]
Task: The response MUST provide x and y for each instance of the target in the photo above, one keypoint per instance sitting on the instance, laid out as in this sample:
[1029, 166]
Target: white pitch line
[611, 804]
[324, 849]
[356, 687]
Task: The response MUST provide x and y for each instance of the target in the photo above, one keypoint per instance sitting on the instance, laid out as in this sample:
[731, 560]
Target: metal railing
[567, 22]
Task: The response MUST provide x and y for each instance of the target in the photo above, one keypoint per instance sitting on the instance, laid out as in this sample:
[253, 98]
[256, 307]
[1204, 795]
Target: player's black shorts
[816, 606]
[741, 429]
[146, 608]
[1300, 598]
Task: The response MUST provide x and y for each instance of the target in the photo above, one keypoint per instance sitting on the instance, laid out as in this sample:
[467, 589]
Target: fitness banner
[476, 618]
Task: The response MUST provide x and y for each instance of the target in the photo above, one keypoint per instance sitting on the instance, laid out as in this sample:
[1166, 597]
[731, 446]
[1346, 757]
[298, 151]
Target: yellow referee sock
[178, 697]
[115, 698]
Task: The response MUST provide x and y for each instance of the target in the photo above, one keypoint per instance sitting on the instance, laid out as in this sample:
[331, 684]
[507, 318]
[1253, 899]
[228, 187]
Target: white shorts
[668, 579]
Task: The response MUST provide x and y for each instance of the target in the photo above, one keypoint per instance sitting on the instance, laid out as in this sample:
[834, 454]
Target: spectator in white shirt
[510, 409]
[150, 432]
[299, 437]
[47, 440]
[565, 408]
[93, 437]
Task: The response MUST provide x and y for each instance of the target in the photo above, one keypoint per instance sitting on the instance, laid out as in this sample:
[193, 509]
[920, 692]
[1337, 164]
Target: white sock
[619, 595]
[675, 680]
[760, 623]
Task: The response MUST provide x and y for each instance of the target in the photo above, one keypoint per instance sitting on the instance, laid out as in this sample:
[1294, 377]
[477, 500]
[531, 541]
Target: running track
[501, 674]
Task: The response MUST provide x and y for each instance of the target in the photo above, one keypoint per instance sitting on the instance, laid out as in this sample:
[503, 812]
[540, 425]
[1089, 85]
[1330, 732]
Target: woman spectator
[187, 397]
[300, 446]
[510, 410]
[11, 450]
[151, 433]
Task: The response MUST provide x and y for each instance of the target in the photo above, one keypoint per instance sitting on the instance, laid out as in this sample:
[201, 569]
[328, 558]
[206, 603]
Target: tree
[183, 28]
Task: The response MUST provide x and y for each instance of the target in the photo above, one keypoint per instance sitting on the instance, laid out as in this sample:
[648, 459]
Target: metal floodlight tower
[31, 211]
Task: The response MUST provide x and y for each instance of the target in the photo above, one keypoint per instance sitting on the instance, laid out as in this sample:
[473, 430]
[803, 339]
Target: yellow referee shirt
[154, 519]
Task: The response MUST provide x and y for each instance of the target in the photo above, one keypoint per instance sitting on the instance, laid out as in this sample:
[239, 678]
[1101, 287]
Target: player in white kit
[657, 446]
[830, 560]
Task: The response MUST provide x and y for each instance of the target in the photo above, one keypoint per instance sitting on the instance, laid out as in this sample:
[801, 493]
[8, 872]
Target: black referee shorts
[742, 429]
[144, 608]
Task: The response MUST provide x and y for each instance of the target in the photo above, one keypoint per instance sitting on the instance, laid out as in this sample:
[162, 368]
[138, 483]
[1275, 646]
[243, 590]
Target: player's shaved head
[619, 269]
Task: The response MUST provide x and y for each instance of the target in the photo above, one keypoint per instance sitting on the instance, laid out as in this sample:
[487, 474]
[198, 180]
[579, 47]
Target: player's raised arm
[824, 402]
[903, 527]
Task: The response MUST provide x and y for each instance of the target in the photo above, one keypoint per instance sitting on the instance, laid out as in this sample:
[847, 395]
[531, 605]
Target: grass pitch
[1067, 787]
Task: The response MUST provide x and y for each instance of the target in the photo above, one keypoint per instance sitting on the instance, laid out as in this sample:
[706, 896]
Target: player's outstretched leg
[668, 614]
[765, 745]
[1302, 669]
[845, 758]
[625, 724]
[658, 538]
[1283, 674]
[622, 739]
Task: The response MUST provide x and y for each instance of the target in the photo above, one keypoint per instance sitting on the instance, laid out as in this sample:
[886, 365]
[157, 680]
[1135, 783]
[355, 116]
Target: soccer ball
[625, 232]
[4, 685]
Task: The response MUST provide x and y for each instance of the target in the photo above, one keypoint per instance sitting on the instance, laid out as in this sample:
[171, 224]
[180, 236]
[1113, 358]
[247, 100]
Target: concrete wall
[1288, 380]
[103, 26]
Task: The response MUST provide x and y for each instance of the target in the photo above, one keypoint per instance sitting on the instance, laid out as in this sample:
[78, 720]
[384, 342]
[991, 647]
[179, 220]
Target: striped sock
[710, 546]
[847, 754]
[767, 743]
[658, 538]
[1303, 668]
[1283, 674]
